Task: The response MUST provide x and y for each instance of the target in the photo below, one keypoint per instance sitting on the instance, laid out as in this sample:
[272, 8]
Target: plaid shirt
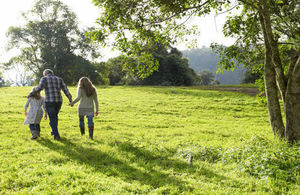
[52, 85]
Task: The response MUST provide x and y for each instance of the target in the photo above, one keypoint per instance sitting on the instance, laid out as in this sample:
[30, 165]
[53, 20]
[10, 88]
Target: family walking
[51, 104]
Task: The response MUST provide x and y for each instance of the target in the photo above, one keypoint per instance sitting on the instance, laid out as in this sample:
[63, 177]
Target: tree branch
[178, 13]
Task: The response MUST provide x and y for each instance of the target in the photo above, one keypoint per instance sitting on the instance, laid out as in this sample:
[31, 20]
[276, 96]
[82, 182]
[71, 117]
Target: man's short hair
[48, 71]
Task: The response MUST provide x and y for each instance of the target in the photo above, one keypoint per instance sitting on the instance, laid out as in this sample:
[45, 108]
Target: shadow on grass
[148, 160]
[107, 164]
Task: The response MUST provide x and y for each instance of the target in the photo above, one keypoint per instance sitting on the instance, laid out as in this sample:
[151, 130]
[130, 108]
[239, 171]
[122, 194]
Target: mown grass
[143, 139]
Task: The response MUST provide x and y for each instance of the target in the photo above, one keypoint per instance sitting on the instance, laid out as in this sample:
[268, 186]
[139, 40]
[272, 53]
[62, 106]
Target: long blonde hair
[87, 85]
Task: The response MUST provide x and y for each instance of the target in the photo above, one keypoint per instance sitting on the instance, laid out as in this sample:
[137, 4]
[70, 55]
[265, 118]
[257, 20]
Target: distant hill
[205, 59]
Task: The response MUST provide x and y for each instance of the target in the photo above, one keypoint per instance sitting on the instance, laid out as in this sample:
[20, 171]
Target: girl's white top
[35, 113]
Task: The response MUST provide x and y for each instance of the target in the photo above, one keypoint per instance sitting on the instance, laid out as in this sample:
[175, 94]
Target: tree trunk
[292, 104]
[264, 11]
[290, 90]
[272, 97]
[274, 109]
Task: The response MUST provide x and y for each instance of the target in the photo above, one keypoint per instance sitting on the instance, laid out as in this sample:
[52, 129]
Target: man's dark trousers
[53, 109]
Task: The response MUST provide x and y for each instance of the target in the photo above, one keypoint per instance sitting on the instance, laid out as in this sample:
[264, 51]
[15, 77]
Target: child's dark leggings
[35, 127]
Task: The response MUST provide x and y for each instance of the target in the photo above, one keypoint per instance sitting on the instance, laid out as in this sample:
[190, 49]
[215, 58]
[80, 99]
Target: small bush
[262, 158]
[259, 157]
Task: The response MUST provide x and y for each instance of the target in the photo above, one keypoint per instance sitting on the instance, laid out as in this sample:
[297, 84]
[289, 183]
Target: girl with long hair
[87, 94]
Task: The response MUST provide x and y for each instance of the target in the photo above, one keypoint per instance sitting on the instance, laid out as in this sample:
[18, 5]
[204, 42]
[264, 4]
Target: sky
[10, 15]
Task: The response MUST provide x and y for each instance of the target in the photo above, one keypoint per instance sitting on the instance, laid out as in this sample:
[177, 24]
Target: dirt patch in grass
[247, 90]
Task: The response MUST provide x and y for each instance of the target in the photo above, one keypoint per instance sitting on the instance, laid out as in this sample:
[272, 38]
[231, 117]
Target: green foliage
[103, 73]
[140, 27]
[249, 49]
[263, 159]
[81, 67]
[145, 65]
[250, 76]
[116, 72]
[205, 78]
[143, 138]
[272, 161]
[51, 39]
[173, 70]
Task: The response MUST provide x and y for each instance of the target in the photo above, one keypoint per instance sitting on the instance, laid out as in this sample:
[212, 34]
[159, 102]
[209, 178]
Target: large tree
[288, 84]
[116, 72]
[51, 39]
[268, 40]
[140, 24]
[174, 70]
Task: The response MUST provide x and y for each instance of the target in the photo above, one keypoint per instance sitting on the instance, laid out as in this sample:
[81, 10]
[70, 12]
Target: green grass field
[143, 139]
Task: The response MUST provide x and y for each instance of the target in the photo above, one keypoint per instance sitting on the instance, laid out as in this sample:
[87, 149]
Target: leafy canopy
[139, 27]
[249, 48]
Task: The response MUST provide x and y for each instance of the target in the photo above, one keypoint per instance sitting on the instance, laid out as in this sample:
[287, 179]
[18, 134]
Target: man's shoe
[34, 137]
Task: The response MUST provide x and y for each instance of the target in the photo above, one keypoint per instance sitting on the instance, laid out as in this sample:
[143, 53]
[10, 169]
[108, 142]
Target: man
[53, 100]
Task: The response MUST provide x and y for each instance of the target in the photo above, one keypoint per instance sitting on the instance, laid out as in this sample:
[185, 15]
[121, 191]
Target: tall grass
[144, 139]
